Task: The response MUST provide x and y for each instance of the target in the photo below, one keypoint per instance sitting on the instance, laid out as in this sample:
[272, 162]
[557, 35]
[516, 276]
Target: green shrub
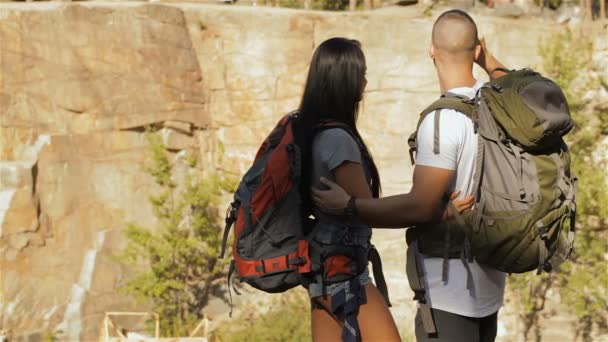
[181, 251]
[286, 318]
[53, 336]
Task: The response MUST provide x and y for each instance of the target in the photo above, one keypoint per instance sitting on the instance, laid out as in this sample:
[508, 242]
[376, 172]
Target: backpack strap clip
[231, 215]
[470, 101]
[572, 232]
[544, 263]
[412, 143]
[497, 88]
[542, 230]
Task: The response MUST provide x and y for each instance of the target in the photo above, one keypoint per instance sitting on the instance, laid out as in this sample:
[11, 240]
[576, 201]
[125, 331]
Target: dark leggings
[456, 328]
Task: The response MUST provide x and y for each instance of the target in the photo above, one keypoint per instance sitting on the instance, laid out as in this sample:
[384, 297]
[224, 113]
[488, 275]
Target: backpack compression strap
[298, 260]
[374, 258]
[415, 276]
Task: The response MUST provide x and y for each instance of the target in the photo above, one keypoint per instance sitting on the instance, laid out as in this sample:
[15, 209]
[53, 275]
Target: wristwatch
[351, 208]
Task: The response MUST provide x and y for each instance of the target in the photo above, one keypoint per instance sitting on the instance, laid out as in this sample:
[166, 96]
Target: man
[464, 296]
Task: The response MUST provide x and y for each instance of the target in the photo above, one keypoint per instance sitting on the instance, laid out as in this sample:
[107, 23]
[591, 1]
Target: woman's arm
[336, 151]
[351, 176]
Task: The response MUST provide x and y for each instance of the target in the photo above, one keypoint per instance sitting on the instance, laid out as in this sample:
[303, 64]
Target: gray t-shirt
[331, 148]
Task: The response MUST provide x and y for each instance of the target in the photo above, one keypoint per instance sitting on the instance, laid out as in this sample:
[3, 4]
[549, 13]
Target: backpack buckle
[542, 230]
[419, 296]
[543, 234]
[231, 215]
[412, 156]
[297, 261]
[231, 212]
[497, 88]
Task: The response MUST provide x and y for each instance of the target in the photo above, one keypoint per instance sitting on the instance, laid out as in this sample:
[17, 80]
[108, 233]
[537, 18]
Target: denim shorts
[316, 289]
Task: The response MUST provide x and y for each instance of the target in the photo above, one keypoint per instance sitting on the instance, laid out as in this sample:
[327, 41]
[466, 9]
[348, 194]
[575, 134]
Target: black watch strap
[351, 208]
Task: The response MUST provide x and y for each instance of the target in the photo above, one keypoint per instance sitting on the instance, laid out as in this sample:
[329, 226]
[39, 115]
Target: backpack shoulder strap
[450, 101]
[447, 101]
[325, 125]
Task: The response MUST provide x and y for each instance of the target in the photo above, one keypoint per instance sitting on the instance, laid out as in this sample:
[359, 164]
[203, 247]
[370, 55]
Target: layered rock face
[79, 84]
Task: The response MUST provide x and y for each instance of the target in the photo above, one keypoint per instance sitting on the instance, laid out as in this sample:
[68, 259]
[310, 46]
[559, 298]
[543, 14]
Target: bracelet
[351, 208]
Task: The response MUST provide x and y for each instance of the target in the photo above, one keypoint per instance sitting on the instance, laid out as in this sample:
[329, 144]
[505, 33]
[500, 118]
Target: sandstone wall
[78, 84]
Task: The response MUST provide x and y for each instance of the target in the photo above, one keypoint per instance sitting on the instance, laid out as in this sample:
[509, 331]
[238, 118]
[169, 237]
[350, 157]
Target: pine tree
[181, 251]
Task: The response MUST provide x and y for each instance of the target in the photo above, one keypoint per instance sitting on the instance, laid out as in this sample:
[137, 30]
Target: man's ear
[478, 50]
[432, 51]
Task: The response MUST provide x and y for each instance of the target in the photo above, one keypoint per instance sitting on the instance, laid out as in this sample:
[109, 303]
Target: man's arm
[433, 175]
[424, 203]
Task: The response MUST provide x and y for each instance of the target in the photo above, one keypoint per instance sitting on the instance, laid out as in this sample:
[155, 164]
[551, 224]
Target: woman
[333, 92]
[351, 309]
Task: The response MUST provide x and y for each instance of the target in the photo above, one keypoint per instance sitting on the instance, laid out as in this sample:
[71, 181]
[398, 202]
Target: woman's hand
[460, 205]
[332, 201]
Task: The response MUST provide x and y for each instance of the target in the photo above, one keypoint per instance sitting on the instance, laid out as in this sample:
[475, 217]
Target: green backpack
[524, 214]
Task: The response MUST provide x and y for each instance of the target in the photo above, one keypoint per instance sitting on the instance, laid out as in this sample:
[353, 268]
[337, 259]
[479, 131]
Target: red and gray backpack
[272, 249]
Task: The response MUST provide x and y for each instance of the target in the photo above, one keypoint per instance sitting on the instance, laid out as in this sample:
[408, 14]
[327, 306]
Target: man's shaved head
[455, 33]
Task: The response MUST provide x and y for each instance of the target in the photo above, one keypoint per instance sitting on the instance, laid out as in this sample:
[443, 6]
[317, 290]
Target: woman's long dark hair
[333, 92]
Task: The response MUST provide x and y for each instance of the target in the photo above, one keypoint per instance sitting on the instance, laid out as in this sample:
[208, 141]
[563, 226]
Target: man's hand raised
[485, 57]
[488, 62]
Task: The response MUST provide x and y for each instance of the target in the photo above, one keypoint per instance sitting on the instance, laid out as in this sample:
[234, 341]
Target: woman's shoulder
[336, 135]
[334, 146]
